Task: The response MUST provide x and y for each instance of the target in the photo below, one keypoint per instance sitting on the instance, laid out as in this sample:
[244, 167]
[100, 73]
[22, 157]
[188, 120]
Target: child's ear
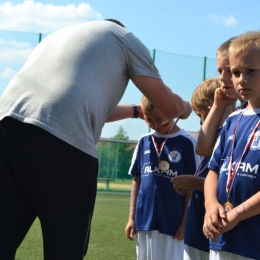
[209, 107]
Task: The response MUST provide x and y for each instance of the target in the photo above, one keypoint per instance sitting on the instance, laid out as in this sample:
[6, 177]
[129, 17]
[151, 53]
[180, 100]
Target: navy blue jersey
[194, 235]
[159, 206]
[244, 238]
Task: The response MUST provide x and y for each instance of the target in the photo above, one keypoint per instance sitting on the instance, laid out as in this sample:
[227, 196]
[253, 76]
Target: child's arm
[209, 131]
[130, 227]
[214, 210]
[123, 112]
[188, 182]
[181, 229]
[245, 210]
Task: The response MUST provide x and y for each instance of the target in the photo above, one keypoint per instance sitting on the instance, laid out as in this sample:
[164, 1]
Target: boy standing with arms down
[157, 211]
[232, 197]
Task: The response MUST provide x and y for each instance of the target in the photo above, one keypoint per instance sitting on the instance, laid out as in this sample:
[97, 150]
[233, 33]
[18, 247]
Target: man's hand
[188, 110]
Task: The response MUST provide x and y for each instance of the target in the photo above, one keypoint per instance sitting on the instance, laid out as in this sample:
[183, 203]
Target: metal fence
[115, 158]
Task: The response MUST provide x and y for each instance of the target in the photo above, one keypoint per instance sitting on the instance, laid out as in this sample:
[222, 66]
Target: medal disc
[164, 165]
[228, 206]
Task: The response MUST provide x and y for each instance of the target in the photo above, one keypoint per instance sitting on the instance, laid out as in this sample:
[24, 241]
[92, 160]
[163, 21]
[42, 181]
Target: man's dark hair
[115, 21]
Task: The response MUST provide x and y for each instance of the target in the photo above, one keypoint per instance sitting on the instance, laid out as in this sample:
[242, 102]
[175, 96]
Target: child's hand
[221, 99]
[180, 232]
[130, 230]
[180, 191]
[214, 216]
[229, 222]
[183, 182]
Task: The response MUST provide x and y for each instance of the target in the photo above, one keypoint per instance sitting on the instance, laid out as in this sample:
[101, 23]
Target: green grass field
[107, 241]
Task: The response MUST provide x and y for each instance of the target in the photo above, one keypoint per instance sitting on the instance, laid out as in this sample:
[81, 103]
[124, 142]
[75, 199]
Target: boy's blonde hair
[224, 47]
[245, 43]
[203, 95]
[146, 104]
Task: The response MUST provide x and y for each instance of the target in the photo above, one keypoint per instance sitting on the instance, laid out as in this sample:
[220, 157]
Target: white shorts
[152, 245]
[222, 255]
[191, 253]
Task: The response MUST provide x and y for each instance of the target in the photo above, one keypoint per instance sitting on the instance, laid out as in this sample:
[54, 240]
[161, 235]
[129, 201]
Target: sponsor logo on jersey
[147, 151]
[174, 156]
[242, 168]
[148, 168]
[255, 145]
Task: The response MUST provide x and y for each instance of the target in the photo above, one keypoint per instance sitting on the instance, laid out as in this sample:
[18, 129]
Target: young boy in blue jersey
[232, 196]
[196, 245]
[157, 212]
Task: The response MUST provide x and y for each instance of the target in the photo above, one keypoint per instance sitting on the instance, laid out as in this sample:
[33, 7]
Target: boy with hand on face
[225, 96]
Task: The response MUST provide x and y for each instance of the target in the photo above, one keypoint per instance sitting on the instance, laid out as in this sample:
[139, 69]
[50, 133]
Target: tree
[121, 134]
[115, 156]
[124, 153]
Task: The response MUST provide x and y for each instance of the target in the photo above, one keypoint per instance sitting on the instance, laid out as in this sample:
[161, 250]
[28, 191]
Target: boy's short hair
[224, 47]
[245, 42]
[203, 95]
[146, 104]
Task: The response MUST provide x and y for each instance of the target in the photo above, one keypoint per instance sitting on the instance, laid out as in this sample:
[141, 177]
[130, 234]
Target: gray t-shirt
[74, 79]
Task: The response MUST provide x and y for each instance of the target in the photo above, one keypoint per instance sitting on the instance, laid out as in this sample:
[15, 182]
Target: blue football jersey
[159, 206]
[243, 239]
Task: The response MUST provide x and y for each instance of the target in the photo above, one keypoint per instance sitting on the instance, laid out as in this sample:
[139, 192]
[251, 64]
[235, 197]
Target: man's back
[74, 79]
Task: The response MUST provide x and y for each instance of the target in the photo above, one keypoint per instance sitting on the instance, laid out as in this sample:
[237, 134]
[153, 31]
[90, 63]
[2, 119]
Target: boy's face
[202, 114]
[157, 121]
[225, 76]
[245, 71]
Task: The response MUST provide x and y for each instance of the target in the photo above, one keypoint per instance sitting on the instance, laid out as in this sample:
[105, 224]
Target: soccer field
[107, 240]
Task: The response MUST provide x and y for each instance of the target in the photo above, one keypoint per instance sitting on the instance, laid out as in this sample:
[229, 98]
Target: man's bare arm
[123, 112]
[169, 103]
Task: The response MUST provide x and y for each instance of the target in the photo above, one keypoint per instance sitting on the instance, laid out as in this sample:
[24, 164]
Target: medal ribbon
[232, 174]
[198, 171]
[159, 150]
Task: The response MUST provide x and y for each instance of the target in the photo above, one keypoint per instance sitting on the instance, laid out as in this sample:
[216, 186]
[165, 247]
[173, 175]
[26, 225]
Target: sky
[181, 32]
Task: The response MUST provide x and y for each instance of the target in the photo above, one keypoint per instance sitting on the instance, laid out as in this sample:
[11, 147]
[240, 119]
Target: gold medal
[164, 165]
[228, 206]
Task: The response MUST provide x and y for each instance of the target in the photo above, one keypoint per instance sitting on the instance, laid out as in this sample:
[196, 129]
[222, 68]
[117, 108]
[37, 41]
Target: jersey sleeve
[215, 160]
[134, 169]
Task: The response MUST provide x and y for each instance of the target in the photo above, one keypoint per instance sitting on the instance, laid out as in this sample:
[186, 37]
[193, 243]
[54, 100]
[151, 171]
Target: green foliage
[107, 240]
[115, 157]
[121, 134]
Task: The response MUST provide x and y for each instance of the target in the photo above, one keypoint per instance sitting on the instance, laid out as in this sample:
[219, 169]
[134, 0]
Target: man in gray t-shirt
[52, 114]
